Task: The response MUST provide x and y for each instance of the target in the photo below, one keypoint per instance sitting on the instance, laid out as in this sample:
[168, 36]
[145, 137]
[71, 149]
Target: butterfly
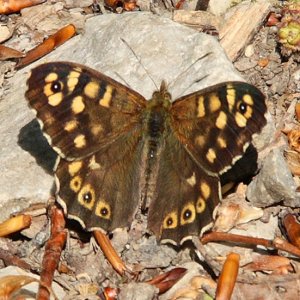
[118, 152]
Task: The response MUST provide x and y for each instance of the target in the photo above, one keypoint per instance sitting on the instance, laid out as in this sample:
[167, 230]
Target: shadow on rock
[32, 140]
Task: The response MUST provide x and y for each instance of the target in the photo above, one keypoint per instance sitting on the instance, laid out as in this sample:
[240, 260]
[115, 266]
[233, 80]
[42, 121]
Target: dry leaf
[12, 283]
[294, 139]
[6, 53]
[274, 263]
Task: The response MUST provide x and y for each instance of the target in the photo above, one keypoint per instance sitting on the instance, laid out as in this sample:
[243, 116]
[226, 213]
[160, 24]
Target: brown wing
[102, 190]
[216, 125]
[185, 195]
[81, 110]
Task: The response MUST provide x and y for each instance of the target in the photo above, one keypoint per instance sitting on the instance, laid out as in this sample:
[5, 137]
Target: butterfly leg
[52, 253]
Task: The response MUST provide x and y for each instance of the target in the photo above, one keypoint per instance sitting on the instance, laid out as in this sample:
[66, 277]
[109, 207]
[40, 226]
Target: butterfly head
[162, 97]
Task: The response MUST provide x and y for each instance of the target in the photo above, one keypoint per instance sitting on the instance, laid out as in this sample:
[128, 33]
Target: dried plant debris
[289, 28]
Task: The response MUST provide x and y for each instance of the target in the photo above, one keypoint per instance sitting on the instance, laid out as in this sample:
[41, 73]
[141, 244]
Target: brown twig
[13, 260]
[228, 277]
[292, 227]
[11, 6]
[277, 243]
[47, 46]
[110, 253]
[14, 224]
[52, 253]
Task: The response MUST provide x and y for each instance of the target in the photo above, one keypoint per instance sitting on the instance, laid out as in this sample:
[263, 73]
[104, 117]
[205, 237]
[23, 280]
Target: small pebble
[249, 51]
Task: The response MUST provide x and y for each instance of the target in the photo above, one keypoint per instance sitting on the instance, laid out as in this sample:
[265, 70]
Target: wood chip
[243, 24]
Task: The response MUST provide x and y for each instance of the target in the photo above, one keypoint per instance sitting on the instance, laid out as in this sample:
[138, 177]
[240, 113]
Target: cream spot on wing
[51, 77]
[211, 155]
[205, 189]
[49, 119]
[248, 112]
[91, 89]
[71, 125]
[192, 180]
[188, 214]
[221, 120]
[74, 167]
[72, 80]
[240, 120]
[47, 90]
[78, 105]
[103, 209]
[230, 96]
[80, 141]
[221, 142]
[93, 165]
[170, 221]
[96, 129]
[86, 196]
[248, 99]
[214, 103]
[105, 100]
[200, 140]
[201, 108]
[55, 99]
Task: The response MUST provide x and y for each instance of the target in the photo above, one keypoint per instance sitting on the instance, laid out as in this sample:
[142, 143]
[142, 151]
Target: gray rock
[165, 48]
[138, 291]
[274, 183]
[149, 254]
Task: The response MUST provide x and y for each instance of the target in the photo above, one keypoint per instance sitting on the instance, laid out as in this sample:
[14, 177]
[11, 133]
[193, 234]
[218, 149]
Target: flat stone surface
[165, 48]
[274, 183]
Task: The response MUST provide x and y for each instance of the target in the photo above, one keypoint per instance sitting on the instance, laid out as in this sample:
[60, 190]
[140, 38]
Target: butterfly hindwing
[80, 109]
[185, 195]
[102, 190]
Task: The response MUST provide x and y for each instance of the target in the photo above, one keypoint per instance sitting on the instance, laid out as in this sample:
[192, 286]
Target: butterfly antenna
[123, 79]
[195, 81]
[188, 68]
[140, 61]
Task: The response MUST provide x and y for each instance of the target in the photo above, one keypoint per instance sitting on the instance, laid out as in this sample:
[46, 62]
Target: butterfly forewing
[81, 110]
[217, 124]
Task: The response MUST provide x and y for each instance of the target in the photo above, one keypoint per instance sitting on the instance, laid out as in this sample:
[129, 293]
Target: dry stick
[277, 243]
[13, 260]
[227, 279]
[14, 224]
[52, 253]
[109, 252]
[292, 228]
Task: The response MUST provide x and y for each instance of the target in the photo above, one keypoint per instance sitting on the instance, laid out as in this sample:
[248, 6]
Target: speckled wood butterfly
[118, 152]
